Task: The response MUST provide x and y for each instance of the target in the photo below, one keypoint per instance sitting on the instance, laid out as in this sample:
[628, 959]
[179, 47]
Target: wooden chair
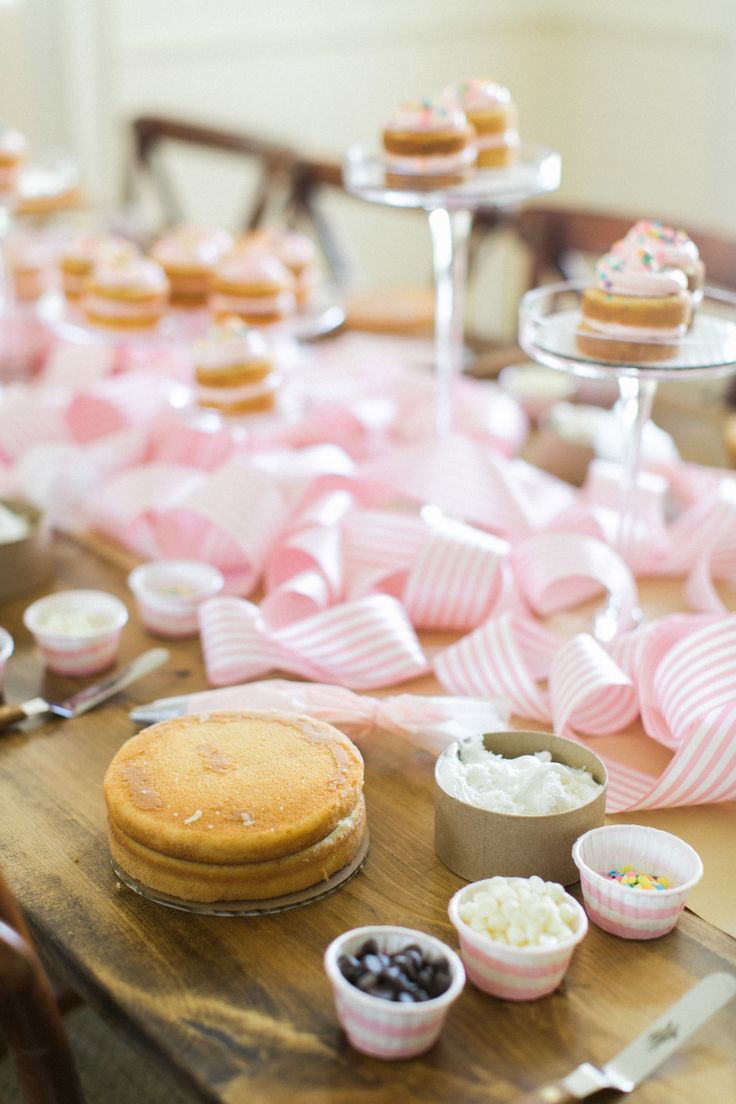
[30, 1017]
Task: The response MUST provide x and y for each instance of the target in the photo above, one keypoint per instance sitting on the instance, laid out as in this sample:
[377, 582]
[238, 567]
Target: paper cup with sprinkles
[384, 980]
[517, 935]
[635, 879]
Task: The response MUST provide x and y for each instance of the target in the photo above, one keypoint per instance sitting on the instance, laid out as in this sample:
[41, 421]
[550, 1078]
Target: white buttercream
[669, 248]
[427, 116]
[635, 273]
[231, 342]
[192, 246]
[437, 163]
[282, 302]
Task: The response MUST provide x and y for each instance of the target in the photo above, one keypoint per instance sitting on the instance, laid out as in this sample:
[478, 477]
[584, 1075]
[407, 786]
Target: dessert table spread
[240, 1009]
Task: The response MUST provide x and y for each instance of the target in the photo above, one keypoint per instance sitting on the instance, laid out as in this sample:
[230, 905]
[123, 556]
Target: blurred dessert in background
[669, 248]
[82, 253]
[125, 291]
[33, 257]
[490, 109]
[428, 145]
[234, 369]
[253, 284]
[13, 151]
[189, 256]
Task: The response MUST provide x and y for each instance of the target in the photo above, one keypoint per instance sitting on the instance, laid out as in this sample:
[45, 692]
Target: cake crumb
[195, 816]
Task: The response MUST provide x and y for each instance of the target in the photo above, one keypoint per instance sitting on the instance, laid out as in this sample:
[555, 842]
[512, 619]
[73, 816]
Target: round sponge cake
[235, 806]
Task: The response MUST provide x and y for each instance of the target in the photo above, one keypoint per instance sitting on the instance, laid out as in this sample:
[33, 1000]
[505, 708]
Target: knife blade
[648, 1050]
[90, 697]
[162, 709]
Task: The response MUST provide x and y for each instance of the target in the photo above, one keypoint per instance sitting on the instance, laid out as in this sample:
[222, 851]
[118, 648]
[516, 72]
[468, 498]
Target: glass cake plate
[251, 908]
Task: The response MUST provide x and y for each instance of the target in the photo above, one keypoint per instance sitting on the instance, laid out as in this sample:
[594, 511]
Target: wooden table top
[240, 1008]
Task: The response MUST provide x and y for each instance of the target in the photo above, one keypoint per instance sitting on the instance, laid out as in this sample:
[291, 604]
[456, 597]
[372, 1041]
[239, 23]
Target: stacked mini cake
[189, 256]
[234, 369]
[235, 806]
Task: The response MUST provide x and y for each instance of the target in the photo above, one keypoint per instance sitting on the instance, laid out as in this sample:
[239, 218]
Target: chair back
[30, 1021]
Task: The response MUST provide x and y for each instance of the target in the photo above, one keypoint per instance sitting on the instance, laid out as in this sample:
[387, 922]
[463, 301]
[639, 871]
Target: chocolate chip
[406, 976]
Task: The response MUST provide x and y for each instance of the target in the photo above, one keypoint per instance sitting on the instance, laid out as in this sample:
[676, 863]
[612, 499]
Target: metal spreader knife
[648, 1050]
[89, 698]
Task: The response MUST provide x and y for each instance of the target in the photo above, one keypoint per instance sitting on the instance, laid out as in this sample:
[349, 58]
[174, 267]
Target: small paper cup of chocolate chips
[393, 987]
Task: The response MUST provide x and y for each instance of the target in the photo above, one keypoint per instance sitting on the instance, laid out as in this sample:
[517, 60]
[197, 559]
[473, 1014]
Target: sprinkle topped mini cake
[253, 284]
[234, 369]
[235, 806]
[13, 149]
[428, 145]
[126, 291]
[635, 310]
[490, 109]
[189, 256]
[669, 248]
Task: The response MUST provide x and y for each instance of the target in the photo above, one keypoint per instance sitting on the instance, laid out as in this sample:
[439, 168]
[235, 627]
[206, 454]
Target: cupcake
[635, 310]
[234, 369]
[428, 145]
[13, 149]
[491, 111]
[669, 248]
[253, 284]
[82, 254]
[189, 256]
[126, 292]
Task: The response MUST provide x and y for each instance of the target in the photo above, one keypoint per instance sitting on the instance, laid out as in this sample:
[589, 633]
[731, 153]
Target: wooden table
[239, 1008]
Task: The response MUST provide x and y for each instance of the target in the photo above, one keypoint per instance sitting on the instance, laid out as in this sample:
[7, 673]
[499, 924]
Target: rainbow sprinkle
[636, 879]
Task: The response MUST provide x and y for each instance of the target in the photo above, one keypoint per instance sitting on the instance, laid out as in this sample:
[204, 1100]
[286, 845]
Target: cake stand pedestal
[549, 325]
[450, 215]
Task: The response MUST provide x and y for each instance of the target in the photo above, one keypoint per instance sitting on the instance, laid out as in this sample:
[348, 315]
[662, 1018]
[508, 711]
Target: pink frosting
[294, 248]
[124, 272]
[192, 245]
[428, 116]
[478, 94]
[96, 247]
[668, 247]
[254, 265]
[231, 341]
[637, 273]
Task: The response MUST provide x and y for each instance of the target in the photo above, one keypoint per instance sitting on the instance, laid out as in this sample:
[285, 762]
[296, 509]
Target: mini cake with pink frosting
[490, 109]
[299, 254]
[253, 284]
[636, 309]
[234, 369]
[428, 145]
[32, 258]
[189, 256]
[13, 150]
[126, 292]
[669, 249]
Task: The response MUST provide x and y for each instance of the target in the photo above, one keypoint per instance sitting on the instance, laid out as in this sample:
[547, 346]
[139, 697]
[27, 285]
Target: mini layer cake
[489, 108]
[234, 369]
[669, 248]
[635, 311]
[82, 254]
[189, 256]
[32, 258]
[126, 292]
[298, 253]
[235, 806]
[253, 284]
[428, 145]
[13, 149]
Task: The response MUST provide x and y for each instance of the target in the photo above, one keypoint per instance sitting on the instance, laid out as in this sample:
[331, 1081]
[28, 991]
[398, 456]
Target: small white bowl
[169, 592]
[383, 1028]
[6, 650]
[77, 631]
[635, 913]
[508, 972]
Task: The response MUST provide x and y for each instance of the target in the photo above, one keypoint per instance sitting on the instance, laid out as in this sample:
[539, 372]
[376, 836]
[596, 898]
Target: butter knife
[89, 698]
[648, 1050]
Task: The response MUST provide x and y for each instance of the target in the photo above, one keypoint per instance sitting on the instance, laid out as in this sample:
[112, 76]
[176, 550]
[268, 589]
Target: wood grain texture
[240, 1008]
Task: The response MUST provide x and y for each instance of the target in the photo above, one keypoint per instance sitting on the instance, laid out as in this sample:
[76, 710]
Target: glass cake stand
[450, 213]
[549, 329]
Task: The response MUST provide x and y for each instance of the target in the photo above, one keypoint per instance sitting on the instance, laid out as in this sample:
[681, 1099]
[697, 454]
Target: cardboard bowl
[25, 563]
[476, 843]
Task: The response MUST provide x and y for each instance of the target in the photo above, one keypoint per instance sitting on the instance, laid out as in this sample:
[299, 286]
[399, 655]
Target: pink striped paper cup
[168, 594]
[6, 650]
[77, 631]
[383, 1028]
[508, 972]
[635, 913]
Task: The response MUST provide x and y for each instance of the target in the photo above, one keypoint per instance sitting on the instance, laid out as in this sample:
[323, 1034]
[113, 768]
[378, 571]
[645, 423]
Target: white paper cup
[621, 910]
[513, 973]
[6, 650]
[77, 631]
[168, 594]
[388, 1029]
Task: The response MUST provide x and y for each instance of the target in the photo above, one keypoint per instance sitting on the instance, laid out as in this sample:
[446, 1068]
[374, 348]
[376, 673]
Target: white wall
[639, 97]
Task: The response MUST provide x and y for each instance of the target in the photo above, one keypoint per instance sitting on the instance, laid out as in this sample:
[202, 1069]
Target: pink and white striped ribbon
[363, 644]
[117, 402]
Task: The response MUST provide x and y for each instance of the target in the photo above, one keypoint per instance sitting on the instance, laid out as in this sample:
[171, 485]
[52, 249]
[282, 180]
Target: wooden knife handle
[10, 715]
[554, 1092]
